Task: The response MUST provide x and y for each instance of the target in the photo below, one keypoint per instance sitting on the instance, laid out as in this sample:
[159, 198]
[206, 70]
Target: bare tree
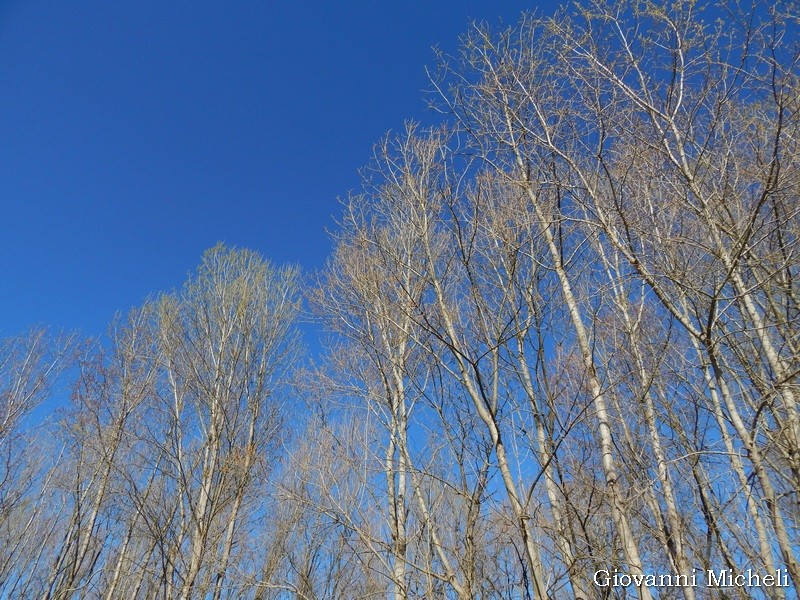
[227, 341]
[171, 437]
[29, 368]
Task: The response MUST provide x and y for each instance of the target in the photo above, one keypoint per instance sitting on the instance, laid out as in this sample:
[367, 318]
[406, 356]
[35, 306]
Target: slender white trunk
[673, 534]
[578, 582]
[487, 416]
[618, 510]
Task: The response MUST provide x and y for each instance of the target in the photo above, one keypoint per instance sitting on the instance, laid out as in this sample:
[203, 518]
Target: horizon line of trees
[563, 338]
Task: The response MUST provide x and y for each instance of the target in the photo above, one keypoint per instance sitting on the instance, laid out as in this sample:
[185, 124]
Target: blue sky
[133, 136]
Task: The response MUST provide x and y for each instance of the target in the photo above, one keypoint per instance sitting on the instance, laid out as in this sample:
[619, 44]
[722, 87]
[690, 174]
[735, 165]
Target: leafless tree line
[563, 339]
[151, 483]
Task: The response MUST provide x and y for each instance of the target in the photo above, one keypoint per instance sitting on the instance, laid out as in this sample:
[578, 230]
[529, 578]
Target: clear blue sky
[134, 135]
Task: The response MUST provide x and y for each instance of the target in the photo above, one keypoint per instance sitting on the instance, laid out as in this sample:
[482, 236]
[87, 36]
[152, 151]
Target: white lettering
[604, 578]
[712, 581]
